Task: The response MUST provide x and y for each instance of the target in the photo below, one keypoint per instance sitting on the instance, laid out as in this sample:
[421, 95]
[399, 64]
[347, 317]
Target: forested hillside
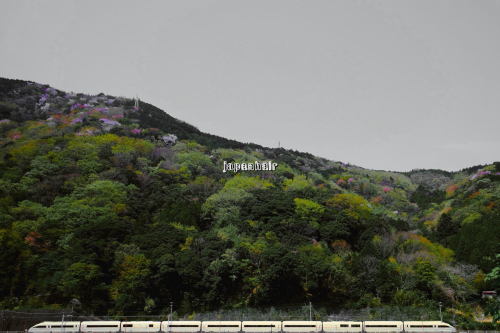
[126, 209]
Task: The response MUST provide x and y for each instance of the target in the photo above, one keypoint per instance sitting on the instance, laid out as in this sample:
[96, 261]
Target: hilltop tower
[136, 103]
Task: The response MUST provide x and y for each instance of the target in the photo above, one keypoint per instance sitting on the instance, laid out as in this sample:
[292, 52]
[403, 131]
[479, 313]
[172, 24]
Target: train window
[381, 325]
[59, 326]
[355, 325]
[102, 325]
[174, 325]
[300, 325]
[259, 325]
[344, 325]
[40, 326]
[150, 325]
[443, 326]
[223, 325]
[127, 325]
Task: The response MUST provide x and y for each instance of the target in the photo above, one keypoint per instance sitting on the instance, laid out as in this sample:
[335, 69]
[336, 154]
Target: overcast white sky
[382, 84]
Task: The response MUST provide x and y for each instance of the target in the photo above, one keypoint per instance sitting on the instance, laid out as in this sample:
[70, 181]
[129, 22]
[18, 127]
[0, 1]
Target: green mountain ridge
[126, 208]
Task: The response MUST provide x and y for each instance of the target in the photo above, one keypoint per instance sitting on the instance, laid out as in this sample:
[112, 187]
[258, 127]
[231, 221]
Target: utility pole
[62, 323]
[440, 314]
[170, 320]
[310, 311]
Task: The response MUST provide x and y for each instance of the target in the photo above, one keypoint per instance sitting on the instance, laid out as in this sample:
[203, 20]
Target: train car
[56, 327]
[260, 326]
[181, 326]
[302, 326]
[383, 326]
[100, 326]
[342, 326]
[242, 327]
[221, 326]
[428, 326]
[140, 326]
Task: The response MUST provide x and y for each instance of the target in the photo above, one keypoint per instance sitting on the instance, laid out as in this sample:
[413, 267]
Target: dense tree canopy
[108, 213]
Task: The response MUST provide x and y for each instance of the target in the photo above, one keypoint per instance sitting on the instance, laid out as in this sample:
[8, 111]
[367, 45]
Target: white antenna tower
[136, 102]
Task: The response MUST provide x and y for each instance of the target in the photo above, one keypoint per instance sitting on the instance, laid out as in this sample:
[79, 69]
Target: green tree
[425, 273]
[446, 228]
[128, 289]
[84, 282]
[352, 205]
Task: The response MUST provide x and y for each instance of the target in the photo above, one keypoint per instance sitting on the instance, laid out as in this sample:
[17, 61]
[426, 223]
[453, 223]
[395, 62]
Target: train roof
[433, 322]
[59, 322]
[383, 321]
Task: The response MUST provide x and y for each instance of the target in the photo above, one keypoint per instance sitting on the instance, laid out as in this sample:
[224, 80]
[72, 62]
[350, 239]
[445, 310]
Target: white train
[242, 327]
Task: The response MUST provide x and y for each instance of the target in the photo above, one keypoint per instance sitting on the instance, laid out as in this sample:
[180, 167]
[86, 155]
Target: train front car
[342, 327]
[221, 326]
[181, 326]
[56, 327]
[302, 327]
[260, 326]
[383, 326]
[140, 326]
[428, 326]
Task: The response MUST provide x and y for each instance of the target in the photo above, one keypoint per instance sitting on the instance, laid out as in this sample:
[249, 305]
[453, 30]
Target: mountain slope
[126, 209]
